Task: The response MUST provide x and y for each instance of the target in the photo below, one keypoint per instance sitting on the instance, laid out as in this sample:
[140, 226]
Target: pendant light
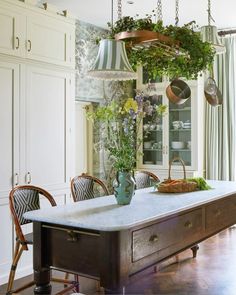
[209, 34]
[112, 62]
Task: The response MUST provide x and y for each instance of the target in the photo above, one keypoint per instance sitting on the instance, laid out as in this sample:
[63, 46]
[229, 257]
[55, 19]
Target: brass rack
[144, 39]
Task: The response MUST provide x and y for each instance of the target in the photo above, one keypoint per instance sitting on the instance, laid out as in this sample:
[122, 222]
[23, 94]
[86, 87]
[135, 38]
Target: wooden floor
[213, 272]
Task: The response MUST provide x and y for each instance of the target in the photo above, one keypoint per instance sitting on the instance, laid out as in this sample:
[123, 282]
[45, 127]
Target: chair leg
[66, 278]
[17, 254]
[76, 282]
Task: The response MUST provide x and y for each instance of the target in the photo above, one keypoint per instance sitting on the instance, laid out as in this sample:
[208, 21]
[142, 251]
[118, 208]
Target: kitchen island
[99, 239]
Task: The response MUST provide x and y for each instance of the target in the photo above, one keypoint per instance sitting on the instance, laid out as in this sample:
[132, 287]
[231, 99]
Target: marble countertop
[104, 214]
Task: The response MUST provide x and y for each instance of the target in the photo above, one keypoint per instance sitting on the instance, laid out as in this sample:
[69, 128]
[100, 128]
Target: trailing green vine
[198, 55]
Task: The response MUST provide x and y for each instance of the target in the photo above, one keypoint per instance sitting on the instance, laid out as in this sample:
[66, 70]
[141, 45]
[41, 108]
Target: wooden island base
[101, 240]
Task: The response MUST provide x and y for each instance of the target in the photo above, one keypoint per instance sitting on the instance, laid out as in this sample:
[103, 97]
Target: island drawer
[221, 214]
[151, 239]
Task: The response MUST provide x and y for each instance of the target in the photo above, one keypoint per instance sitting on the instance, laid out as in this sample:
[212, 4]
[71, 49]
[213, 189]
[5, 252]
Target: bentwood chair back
[83, 187]
[23, 199]
[145, 179]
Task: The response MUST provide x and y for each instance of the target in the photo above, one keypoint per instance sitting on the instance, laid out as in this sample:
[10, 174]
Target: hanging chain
[210, 18]
[209, 12]
[159, 10]
[119, 9]
[176, 12]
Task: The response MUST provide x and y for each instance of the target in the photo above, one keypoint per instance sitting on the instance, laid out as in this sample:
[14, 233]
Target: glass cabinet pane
[180, 132]
[153, 134]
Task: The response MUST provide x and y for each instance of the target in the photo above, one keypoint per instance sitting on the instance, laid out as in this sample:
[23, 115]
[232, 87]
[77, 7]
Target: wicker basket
[179, 185]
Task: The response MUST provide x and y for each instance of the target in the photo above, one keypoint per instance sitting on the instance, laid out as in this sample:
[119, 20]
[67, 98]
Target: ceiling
[98, 12]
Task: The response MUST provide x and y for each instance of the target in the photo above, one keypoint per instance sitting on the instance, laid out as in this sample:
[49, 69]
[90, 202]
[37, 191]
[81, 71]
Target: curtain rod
[223, 33]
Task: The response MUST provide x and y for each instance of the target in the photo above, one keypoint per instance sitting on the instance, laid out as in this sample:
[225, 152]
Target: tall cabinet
[36, 114]
[179, 133]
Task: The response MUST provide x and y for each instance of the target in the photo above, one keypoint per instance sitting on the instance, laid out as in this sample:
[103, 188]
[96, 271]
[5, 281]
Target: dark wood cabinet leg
[194, 250]
[42, 282]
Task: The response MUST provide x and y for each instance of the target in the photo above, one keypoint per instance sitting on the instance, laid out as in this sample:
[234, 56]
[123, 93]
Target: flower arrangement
[120, 127]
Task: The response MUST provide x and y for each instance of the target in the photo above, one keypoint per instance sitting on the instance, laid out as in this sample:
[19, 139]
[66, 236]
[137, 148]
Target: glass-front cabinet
[179, 133]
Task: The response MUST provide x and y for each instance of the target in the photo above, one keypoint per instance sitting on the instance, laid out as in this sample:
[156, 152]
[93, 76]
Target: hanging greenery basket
[165, 50]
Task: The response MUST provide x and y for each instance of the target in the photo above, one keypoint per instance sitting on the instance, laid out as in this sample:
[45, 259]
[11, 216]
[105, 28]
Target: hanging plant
[195, 55]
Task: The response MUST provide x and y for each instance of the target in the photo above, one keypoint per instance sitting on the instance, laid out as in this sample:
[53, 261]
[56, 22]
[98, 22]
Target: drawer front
[221, 214]
[151, 239]
[72, 249]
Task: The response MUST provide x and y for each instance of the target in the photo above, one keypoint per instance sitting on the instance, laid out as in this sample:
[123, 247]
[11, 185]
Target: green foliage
[201, 183]
[120, 128]
[195, 55]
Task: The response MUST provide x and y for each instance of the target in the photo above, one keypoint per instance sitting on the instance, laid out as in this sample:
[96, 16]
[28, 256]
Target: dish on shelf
[147, 144]
[177, 145]
[148, 162]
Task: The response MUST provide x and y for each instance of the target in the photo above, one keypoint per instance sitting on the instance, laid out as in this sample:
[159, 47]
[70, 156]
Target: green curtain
[220, 121]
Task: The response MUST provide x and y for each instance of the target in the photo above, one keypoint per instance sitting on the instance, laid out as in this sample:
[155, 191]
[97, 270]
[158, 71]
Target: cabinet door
[48, 40]
[47, 128]
[9, 158]
[9, 126]
[153, 133]
[11, 32]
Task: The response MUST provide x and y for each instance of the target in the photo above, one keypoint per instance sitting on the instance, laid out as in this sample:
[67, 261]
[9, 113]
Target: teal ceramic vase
[124, 186]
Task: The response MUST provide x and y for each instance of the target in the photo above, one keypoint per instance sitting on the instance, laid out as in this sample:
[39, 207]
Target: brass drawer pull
[153, 238]
[29, 45]
[217, 212]
[72, 236]
[188, 224]
[17, 43]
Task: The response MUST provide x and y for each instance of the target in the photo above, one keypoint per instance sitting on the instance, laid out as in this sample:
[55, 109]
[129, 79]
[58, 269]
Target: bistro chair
[84, 187]
[23, 199]
[145, 179]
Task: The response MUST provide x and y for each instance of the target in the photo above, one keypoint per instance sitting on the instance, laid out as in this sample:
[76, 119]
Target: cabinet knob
[153, 238]
[17, 46]
[188, 224]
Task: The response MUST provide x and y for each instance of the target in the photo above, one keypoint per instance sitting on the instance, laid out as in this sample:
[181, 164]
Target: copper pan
[212, 92]
[178, 91]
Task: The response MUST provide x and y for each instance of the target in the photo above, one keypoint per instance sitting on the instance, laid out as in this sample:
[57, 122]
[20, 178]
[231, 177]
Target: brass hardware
[217, 212]
[16, 181]
[18, 43]
[72, 236]
[30, 45]
[153, 238]
[75, 231]
[28, 177]
[188, 224]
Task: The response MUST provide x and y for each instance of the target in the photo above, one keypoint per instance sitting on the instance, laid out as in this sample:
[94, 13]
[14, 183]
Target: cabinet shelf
[181, 110]
[152, 150]
[177, 130]
[180, 150]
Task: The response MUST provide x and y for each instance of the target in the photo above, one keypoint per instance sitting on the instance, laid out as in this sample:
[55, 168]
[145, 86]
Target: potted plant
[120, 128]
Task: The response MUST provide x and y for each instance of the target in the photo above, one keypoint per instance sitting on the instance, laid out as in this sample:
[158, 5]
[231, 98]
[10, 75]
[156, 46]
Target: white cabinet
[47, 127]
[49, 40]
[163, 139]
[12, 32]
[9, 156]
[35, 34]
[37, 102]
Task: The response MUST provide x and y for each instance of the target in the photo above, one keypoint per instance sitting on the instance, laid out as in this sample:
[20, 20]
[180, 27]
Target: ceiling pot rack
[144, 39]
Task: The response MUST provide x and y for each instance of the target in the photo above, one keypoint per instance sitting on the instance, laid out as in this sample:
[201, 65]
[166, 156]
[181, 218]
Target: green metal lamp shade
[112, 62]
[209, 34]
